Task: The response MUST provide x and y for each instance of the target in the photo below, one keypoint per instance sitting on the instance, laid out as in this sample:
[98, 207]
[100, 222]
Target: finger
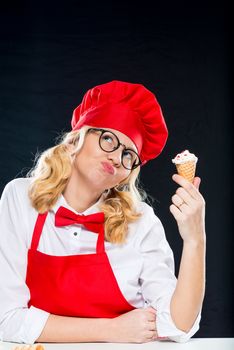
[185, 196]
[177, 200]
[197, 182]
[151, 318]
[177, 213]
[180, 180]
[151, 326]
[151, 335]
[151, 315]
[151, 309]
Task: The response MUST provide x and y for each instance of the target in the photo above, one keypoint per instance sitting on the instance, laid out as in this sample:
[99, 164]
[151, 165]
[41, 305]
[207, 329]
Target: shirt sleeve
[158, 280]
[18, 323]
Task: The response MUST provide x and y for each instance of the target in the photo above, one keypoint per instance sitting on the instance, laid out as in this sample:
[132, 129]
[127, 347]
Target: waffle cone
[187, 170]
[29, 347]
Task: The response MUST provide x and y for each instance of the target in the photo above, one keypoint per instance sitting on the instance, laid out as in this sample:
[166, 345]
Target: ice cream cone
[187, 170]
[185, 163]
[29, 347]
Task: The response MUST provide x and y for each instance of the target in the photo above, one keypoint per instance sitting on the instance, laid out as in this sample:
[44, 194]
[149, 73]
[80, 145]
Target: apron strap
[37, 230]
[100, 248]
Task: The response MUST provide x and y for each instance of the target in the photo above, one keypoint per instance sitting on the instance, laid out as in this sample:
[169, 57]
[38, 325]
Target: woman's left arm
[188, 209]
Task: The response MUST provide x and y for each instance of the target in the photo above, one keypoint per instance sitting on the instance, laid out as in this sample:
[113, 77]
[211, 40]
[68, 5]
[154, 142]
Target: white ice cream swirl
[184, 157]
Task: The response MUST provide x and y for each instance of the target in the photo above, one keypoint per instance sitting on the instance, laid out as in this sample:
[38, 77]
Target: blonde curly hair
[52, 170]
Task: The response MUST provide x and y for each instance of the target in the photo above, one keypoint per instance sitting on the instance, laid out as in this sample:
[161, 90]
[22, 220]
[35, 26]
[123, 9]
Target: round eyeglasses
[109, 142]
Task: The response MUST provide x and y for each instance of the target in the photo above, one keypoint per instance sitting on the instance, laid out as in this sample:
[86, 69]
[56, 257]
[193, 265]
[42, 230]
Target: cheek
[89, 156]
[121, 176]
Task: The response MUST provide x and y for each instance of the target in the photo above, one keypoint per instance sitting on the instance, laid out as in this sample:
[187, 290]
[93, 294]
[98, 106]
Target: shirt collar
[91, 210]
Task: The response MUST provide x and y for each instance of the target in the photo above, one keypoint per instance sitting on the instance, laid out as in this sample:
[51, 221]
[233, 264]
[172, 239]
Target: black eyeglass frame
[134, 166]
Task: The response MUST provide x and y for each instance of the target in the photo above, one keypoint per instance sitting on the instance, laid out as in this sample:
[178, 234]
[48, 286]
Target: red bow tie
[92, 222]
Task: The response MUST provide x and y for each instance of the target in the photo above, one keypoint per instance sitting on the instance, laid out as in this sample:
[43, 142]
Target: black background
[52, 53]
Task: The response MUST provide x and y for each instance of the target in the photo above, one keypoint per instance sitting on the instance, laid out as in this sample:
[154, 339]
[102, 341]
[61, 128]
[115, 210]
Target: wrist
[199, 242]
[107, 330]
[98, 329]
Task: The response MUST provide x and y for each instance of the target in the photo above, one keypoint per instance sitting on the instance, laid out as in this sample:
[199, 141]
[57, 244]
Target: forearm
[190, 289]
[72, 329]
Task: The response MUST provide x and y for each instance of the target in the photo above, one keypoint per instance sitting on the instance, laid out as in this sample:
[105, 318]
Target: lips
[108, 168]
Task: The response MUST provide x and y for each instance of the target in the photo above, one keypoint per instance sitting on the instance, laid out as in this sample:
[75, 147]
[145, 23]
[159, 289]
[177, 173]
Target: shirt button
[75, 233]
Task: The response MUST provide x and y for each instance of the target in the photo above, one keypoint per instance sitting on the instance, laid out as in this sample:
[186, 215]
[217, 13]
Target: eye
[107, 138]
[128, 155]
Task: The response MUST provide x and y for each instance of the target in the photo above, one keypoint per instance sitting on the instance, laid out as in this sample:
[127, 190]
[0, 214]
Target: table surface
[192, 344]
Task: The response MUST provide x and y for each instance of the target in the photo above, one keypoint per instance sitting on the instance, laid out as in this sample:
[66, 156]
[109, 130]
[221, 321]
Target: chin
[97, 180]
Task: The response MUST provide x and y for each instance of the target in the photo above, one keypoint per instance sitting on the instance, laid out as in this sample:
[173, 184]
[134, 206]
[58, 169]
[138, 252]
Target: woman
[83, 257]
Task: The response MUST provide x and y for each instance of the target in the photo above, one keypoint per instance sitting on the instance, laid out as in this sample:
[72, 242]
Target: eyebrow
[130, 148]
[127, 147]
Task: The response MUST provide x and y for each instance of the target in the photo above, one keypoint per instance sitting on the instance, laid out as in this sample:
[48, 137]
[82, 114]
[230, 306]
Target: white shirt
[143, 266]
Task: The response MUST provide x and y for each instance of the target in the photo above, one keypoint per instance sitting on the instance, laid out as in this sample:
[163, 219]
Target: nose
[115, 156]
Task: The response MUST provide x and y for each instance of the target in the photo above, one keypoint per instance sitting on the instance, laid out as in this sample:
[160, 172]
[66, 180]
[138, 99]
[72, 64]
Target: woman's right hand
[136, 326]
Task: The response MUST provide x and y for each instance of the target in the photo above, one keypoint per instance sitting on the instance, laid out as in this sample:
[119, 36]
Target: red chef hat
[129, 108]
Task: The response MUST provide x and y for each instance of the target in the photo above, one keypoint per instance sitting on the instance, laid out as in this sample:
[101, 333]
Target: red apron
[75, 285]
